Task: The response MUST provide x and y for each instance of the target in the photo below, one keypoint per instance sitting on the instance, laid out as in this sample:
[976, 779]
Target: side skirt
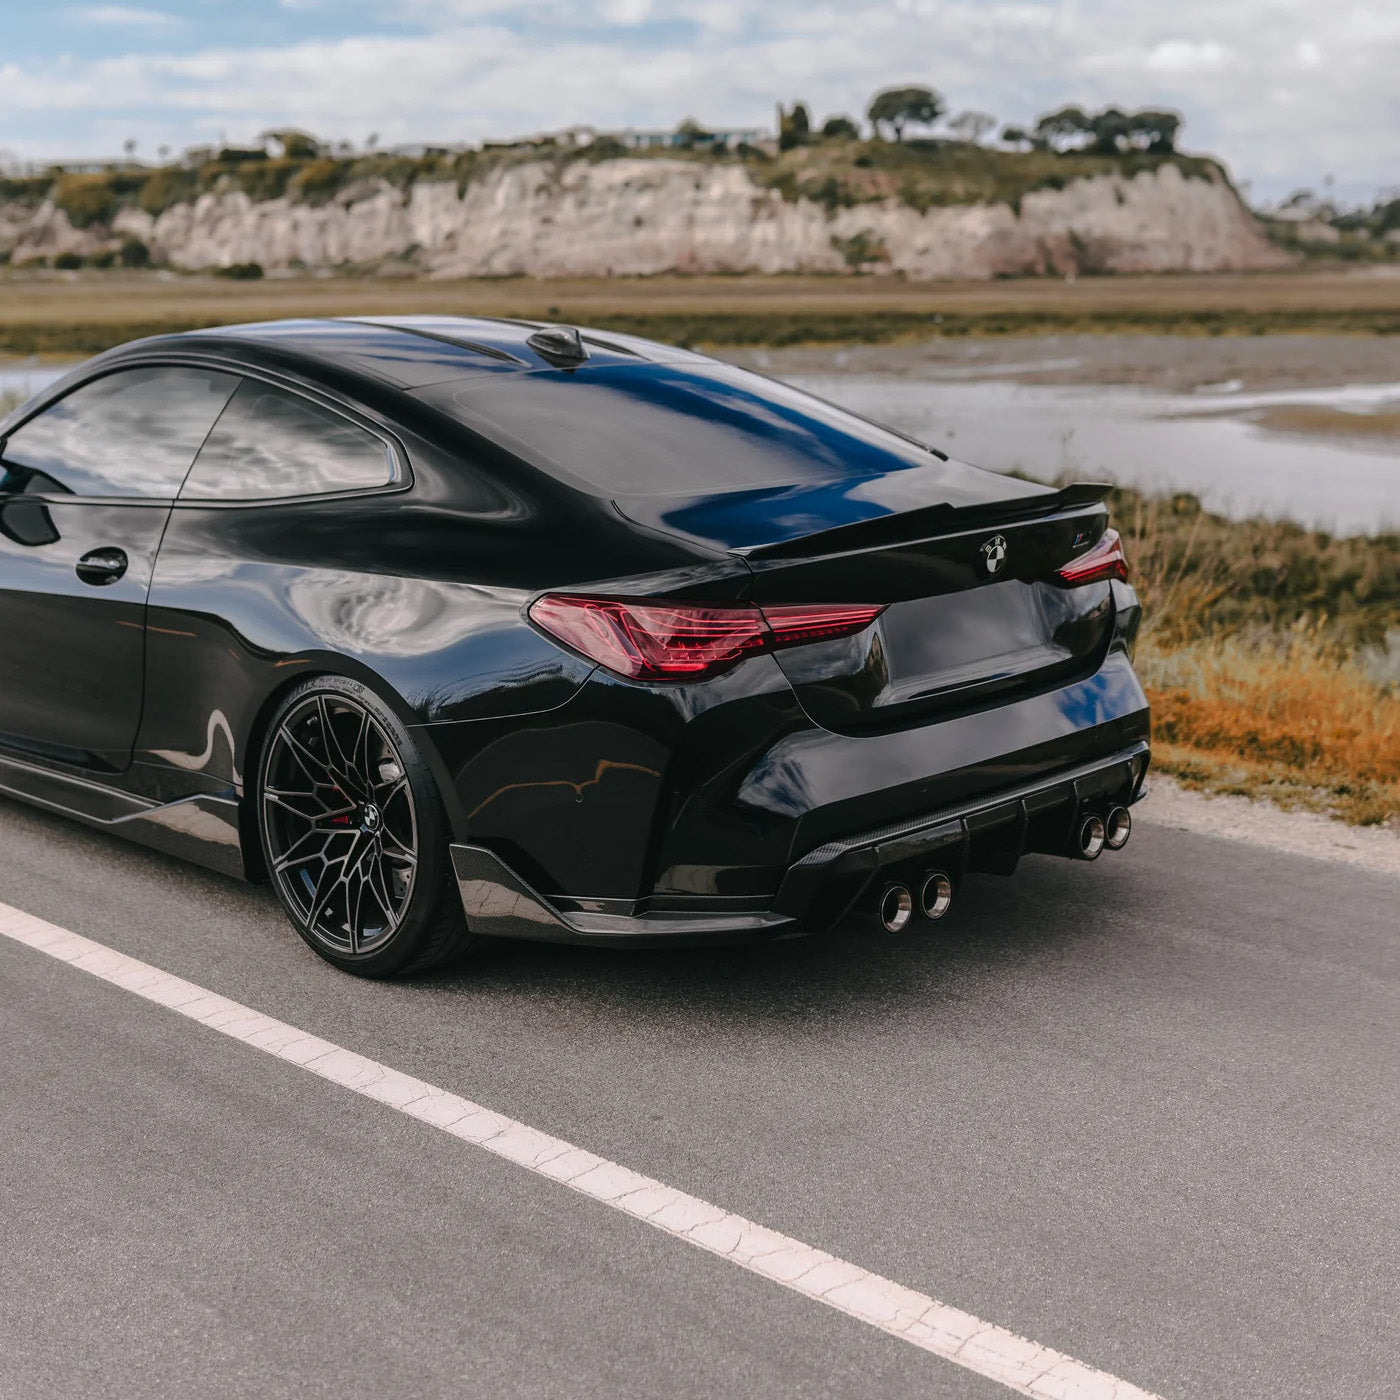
[203, 829]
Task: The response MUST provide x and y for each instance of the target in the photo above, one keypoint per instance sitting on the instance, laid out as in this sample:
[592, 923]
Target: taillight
[792, 624]
[1103, 560]
[675, 641]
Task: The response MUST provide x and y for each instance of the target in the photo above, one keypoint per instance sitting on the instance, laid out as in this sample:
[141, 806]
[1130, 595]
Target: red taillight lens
[1103, 560]
[646, 641]
[675, 641]
[792, 624]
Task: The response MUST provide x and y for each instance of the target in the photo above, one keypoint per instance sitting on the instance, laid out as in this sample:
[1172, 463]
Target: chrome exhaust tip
[1117, 828]
[896, 908]
[1091, 837]
[936, 895]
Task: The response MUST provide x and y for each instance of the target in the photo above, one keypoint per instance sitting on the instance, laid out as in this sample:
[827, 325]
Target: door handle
[99, 566]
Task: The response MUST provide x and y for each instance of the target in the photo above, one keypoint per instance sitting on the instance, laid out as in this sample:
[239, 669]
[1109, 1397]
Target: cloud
[1187, 56]
[1283, 95]
[125, 17]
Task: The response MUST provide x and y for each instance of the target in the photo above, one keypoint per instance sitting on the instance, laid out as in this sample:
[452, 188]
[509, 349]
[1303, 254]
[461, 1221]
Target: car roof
[412, 352]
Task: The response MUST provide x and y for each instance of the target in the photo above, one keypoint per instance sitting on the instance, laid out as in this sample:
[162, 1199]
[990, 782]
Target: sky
[1287, 92]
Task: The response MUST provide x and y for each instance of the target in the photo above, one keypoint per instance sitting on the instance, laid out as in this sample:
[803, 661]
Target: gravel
[1261, 823]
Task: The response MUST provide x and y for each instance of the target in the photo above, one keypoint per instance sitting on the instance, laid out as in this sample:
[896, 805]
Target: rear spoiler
[927, 522]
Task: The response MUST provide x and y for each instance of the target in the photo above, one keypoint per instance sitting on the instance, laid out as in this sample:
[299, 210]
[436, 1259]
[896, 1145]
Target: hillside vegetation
[835, 172]
[933, 174]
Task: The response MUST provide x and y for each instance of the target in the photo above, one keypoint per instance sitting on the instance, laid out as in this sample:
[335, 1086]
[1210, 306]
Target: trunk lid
[971, 617]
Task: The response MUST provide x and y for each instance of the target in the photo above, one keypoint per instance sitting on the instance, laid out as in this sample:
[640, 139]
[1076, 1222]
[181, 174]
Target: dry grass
[1252, 693]
[1293, 720]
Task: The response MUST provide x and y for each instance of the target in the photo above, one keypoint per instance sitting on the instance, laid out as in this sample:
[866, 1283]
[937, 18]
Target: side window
[271, 443]
[131, 433]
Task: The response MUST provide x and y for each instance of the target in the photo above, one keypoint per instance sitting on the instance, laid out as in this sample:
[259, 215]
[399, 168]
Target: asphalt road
[1146, 1112]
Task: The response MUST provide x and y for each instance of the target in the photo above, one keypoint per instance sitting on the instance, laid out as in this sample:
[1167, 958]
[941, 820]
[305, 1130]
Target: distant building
[416, 150]
[683, 136]
[71, 167]
[689, 135]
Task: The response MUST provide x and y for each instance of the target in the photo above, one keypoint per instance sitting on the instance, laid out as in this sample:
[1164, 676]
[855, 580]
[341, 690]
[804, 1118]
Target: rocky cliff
[632, 216]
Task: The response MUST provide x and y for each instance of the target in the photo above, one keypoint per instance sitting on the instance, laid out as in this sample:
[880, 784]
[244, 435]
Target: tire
[353, 833]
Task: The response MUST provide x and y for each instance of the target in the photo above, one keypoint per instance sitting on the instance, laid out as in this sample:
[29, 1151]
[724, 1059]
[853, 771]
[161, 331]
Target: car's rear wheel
[353, 833]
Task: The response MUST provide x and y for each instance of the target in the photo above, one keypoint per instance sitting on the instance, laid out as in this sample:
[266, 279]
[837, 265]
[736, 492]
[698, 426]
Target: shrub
[1295, 718]
[134, 253]
[861, 249]
[267, 179]
[162, 189]
[26, 189]
[840, 128]
[86, 199]
[240, 272]
[68, 261]
[318, 180]
[104, 257]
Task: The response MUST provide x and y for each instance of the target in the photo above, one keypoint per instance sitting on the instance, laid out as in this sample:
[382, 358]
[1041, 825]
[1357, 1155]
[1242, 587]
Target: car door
[86, 491]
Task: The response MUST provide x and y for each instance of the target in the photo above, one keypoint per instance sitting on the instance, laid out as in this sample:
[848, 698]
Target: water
[1207, 443]
[20, 380]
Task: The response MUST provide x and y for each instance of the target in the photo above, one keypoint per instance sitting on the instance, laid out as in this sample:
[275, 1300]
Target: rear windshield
[668, 429]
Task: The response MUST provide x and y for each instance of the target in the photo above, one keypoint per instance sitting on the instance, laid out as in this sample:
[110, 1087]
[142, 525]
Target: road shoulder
[1261, 823]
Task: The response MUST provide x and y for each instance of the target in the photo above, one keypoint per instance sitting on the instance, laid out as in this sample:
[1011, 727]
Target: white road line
[914, 1317]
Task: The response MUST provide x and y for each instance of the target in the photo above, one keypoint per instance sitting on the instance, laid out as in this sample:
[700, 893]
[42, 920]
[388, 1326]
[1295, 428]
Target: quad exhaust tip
[896, 908]
[1117, 828]
[1092, 837]
[936, 895]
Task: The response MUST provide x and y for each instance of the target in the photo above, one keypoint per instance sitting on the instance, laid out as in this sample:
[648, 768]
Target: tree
[1017, 136]
[1110, 132]
[901, 107]
[690, 134]
[129, 146]
[841, 128]
[972, 126]
[295, 144]
[1154, 131]
[1065, 130]
[1110, 129]
[794, 127]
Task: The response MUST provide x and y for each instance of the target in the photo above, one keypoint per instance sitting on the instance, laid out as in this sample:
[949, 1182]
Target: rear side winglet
[500, 903]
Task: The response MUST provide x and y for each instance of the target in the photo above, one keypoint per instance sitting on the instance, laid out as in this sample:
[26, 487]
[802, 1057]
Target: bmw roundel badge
[994, 552]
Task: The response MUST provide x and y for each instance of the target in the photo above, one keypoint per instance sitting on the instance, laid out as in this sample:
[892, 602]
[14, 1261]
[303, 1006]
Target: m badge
[994, 552]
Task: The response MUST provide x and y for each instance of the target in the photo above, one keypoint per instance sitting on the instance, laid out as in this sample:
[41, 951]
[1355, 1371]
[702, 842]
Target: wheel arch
[315, 667]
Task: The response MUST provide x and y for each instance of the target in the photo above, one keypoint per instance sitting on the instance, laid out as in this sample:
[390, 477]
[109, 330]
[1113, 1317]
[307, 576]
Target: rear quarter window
[270, 443]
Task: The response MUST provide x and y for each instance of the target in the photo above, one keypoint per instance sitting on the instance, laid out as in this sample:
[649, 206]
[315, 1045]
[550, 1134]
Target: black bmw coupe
[452, 628]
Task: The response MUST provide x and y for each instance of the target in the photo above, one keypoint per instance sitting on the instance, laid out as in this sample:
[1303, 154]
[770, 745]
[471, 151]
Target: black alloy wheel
[353, 833]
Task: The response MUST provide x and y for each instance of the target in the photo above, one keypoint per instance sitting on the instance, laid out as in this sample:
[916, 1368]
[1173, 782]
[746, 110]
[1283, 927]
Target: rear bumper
[991, 832]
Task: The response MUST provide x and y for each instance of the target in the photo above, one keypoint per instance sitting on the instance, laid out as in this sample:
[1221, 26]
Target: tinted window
[270, 443]
[132, 433]
[666, 429]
